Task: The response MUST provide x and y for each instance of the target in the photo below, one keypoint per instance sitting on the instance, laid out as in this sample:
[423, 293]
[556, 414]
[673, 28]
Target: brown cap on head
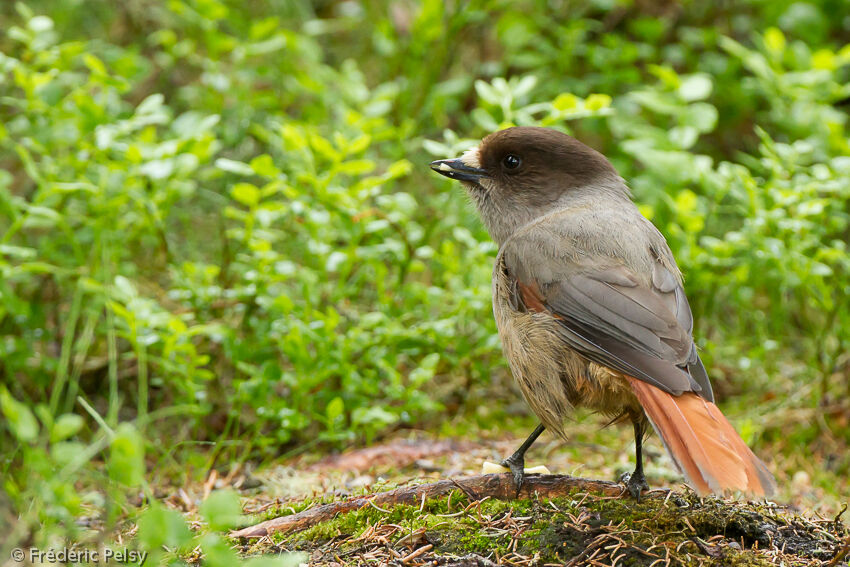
[529, 160]
[521, 173]
[537, 158]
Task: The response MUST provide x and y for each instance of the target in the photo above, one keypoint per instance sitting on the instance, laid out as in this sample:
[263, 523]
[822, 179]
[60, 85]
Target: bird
[591, 309]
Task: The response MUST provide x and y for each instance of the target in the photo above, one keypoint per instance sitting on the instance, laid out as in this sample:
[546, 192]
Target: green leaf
[686, 201]
[683, 136]
[335, 409]
[282, 560]
[127, 456]
[666, 74]
[701, 116]
[233, 166]
[41, 217]
[160, 527]
[820, 269]
[158, 168]
[151, 105]
[264, 165]
[524, 86]
[335, 260]
[435, 148]
[323, 147]
[374, 416]
[824, 59]
[425, 371]
[399, 169]
[40, 24]
[246, 194]
[484, 119]
[20, 419]
[65, 452]
[774, 40]
[356, 166]
[359, 145]
[18, 252]
[94, 64]
[597, 102]
[695, 87]
[487, 93]
[293, 138]
[222, 510]
[565, 101]
[65, 426]
[217, 553]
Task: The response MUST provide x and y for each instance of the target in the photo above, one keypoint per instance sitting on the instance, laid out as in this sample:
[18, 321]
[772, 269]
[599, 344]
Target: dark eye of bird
[511, 161]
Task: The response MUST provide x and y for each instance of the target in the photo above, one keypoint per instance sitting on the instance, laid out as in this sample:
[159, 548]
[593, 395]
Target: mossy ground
[582, 529]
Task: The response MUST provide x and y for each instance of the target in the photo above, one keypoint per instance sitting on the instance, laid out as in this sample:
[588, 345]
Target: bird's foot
[517, 466]
[635, 482]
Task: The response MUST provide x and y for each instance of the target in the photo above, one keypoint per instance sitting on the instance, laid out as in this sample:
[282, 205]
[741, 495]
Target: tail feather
[703, 443]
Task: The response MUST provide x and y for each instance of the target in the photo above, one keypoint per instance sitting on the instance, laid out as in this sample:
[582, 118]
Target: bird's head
[521, 173]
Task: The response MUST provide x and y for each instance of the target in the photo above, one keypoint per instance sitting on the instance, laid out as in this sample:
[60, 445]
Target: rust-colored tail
[703, 443]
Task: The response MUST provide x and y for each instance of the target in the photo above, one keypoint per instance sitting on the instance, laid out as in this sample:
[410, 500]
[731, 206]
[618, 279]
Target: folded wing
[641, 327]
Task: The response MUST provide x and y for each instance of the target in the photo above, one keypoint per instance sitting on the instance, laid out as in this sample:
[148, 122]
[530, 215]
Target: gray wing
[612, 318]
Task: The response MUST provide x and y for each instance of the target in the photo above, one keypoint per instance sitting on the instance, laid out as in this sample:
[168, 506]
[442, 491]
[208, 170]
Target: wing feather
[615, 318]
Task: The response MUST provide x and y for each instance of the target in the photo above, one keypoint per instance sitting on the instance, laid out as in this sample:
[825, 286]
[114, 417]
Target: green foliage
[217, 223]
[163, 535]
[127, 456]
[222, 510]
[19, 418]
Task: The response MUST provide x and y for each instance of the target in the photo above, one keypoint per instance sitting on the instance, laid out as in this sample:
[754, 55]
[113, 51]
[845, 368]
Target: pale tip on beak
[456, 169]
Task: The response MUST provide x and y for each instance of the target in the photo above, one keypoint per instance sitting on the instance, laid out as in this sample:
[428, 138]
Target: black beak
[456, 169]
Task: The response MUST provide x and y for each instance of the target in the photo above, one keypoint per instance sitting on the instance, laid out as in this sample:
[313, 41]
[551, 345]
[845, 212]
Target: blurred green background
[220, 240]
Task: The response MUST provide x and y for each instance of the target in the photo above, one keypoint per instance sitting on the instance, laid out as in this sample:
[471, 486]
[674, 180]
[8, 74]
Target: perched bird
[590, 306]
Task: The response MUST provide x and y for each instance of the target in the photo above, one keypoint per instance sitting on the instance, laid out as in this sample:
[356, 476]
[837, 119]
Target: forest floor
[670, 526]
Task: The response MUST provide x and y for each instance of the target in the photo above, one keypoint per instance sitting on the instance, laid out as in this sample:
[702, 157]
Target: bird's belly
[553, 378]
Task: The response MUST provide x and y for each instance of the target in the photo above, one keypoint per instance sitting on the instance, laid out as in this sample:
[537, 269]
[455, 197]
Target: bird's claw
[635, 482]
[517, 467]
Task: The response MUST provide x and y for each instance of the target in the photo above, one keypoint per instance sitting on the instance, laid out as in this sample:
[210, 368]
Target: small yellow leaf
[597, 101]
[774, 39]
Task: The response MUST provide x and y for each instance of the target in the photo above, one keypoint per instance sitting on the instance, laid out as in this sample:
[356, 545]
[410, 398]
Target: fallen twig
[499, 486]
[841, 552]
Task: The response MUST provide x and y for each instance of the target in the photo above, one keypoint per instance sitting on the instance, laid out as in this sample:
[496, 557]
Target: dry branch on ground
[499, 486]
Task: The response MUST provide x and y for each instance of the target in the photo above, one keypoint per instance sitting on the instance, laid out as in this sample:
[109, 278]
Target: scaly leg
[516, 462]
[636, 481]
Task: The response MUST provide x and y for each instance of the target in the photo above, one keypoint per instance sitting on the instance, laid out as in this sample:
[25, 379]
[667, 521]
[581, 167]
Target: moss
[566, 528]
[688, 515]
[466, 539]
[557, 541]
[408, 516]
[732, 558]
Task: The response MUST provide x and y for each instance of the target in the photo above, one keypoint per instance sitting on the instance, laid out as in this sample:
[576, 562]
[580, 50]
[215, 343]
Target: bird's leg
[636, 481]
[516, 462]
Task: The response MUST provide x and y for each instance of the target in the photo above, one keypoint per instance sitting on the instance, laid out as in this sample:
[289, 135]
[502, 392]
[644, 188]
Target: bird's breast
[553, 378]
